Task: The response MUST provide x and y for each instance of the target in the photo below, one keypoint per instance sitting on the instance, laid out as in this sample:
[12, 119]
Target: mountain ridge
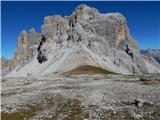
[86, 37]
[151, 53]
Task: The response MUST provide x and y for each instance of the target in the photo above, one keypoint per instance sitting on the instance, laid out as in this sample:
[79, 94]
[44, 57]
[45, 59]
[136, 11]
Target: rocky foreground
[82, 97]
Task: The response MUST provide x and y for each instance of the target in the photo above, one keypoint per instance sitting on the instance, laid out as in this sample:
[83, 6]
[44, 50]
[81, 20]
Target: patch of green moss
[147, 104]
[146, 118]
[70, 108]
[75, 111]
[146, 81]
[68, 87]
[119, 115]
[88, 69]
[19, 115]
[143, 79]
[52, 118]
[9, 93]
[158, 113]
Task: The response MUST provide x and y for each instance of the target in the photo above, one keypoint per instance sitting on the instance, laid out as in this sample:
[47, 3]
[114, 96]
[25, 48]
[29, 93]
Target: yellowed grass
[88, 69]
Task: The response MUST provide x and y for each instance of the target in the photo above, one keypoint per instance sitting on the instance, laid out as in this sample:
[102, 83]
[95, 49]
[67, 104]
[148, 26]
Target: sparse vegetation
[20, 115]
[88, 69]
[68, 87]
[75, 111]
[51, 118]
[148, 80]
[79, 98]
[9, 93]
[147, 104]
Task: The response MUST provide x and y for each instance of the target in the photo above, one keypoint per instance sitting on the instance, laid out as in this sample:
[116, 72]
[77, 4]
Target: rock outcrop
[84, 38]
[6, 66]
[26, 47]
[25, 51]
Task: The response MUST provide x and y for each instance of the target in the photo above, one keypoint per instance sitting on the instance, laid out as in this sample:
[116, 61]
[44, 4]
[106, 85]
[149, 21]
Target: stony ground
[94, 97]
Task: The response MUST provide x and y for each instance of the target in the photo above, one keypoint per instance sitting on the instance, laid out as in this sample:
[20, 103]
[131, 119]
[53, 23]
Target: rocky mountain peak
[83, 7]
[85, 12]
[86, 37]
[53, 19]
[26, 38]
[23, 39]
[26, 48]
[32, 30]
[54, 26]
[151, 53]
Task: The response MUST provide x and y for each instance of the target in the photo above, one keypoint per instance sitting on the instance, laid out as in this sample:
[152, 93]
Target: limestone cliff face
[25, 51]
[87, 23]
[104, 34]
[86, 37]
[26, 47]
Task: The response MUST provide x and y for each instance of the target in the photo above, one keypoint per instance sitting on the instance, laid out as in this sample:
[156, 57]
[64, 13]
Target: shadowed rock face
[41, 58]
[101, 40]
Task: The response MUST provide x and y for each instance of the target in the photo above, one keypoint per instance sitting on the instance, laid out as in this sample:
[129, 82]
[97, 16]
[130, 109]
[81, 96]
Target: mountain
[85, 38]
[5, 66]
[154, 53]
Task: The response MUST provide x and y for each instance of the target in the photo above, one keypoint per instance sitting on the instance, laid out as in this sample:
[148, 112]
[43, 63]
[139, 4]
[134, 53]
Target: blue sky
[143, 19]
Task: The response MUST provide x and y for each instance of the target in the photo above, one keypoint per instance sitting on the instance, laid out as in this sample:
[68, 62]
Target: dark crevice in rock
[129, 52]
[69, 38]
[75, 17]
[89, 45]
[79, 38]
[133, 69]
[41, 57]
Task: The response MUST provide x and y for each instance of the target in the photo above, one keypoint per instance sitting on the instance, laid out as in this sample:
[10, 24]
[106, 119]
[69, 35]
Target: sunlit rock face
[25, 51]
[26, 47]
[101, 40]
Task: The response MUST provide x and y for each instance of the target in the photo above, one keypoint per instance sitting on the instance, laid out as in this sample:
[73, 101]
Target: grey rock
[5, 66]
[86, 37]
[26, 48]
[136, 116]
[25, 51]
